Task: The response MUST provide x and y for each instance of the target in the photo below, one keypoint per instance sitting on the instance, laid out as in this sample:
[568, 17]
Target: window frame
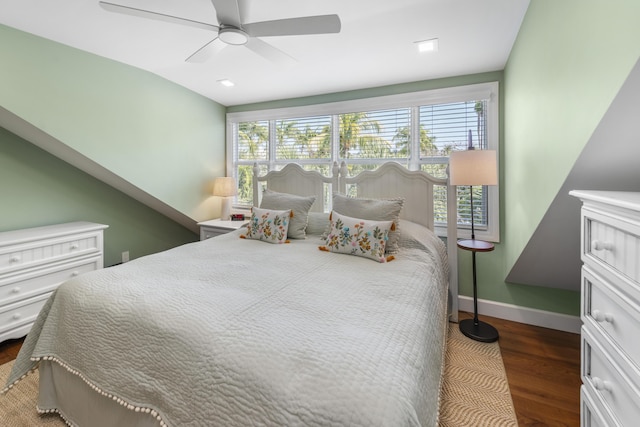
[412, 100]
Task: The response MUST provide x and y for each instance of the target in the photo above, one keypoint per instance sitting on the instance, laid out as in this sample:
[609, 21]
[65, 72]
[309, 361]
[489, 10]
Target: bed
[234, 331]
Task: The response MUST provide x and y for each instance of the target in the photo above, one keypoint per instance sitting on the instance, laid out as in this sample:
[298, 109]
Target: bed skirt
[60, 388]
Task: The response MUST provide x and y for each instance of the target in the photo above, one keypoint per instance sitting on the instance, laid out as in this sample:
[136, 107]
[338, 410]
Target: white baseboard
[516, 313]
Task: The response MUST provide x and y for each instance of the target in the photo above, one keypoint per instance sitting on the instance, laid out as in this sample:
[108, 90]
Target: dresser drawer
[613, 242]
[46, 279]
[592, 413]
[21, 313]
[603, 374]
[611, 312]
[207, 233]
[31, 254]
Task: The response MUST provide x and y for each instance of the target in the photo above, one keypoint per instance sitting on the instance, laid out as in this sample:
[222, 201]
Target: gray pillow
[300, 206]
[374, 210]
[317, 223]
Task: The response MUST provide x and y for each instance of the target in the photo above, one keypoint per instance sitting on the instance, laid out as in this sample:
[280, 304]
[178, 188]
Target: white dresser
[35, 261]
[610, 308]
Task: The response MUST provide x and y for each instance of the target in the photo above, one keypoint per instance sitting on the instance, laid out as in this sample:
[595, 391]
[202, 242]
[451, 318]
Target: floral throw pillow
[358, 237]
[372, 209]
[268, 225]
[299, 206]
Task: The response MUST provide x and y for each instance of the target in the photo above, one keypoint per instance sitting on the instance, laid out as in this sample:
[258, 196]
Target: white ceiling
[375, 46]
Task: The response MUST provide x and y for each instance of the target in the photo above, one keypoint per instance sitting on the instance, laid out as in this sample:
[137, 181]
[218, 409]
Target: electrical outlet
[125, 256]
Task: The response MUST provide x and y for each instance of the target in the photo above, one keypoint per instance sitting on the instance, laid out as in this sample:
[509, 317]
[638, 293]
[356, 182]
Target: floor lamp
[472, 168]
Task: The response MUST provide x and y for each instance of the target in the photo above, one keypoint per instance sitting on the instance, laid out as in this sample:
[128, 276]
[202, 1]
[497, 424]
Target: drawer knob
[16, 316]
[601, 385]
[16, 290]
[599, 316]
[74, 246]
[75, 273]
[14, 259]
[597, 245]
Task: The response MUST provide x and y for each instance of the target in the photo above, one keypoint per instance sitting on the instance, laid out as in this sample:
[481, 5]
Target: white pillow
[268, 225]
[358, 237]
[372, 209]
[299, 205]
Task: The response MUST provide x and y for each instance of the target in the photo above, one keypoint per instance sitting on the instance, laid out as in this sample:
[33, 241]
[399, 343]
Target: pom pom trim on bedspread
[94, 387]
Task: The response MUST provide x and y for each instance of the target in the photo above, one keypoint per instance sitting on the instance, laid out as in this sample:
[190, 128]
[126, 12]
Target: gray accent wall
[609, 161]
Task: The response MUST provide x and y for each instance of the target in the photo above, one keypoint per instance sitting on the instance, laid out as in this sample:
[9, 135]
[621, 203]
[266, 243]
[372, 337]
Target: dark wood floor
[8, 351]
[543, 369]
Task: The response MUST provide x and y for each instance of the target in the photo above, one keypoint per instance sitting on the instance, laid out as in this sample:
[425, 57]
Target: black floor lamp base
[480, 331]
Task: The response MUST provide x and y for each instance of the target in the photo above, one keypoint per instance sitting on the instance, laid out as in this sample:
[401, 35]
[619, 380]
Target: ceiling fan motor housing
[233, 36]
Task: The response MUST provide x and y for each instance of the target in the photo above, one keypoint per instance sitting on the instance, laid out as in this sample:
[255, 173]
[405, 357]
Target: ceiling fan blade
[320, 24]
[206, 52]
[126, 10]
[270, 52]
[228, 12]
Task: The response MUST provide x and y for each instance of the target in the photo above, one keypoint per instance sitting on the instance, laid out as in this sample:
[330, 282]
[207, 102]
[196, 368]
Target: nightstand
[216, 227]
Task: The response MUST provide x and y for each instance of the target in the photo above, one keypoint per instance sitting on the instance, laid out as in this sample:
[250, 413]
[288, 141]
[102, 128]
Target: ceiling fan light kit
[233, 36]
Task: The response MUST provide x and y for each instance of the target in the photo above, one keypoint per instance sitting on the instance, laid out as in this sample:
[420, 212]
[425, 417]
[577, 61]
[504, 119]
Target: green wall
[568, 63]
[368, 93]
[38, 189]
[166, 140]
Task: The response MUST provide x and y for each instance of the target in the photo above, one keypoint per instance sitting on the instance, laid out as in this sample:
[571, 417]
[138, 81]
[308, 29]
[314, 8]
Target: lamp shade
[224, 186]
[473, 167]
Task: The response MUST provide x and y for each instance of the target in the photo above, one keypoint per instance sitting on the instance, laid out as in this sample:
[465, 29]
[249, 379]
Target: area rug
[475, 390]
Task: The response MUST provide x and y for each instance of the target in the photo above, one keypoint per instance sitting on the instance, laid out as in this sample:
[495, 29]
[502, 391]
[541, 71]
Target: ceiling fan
[232, 31]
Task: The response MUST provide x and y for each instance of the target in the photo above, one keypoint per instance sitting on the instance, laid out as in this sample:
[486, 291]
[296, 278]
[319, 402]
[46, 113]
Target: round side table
[474, 328]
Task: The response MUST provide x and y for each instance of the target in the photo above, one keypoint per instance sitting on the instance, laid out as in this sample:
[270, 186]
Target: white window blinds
[419, 134]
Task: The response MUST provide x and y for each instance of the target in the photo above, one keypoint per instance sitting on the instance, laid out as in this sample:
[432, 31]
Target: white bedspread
[236, 332]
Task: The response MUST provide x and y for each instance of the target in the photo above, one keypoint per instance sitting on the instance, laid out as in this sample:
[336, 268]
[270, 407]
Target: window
[418, 130]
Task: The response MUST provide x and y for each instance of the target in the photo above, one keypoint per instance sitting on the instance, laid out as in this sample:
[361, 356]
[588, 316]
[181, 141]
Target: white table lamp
[473, 167]
[225, 187]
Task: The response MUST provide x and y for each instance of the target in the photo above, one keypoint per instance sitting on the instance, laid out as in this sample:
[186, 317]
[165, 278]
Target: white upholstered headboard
[388, 181]
[394, 180]
[293, 179]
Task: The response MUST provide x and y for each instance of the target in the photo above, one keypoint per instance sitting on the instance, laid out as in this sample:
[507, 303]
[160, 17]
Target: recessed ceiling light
[428, 45]
[226, 82]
